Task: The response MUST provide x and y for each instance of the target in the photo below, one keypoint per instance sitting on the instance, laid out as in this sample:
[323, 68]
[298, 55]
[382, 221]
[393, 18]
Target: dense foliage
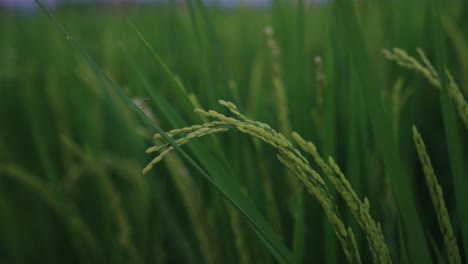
[329, 144]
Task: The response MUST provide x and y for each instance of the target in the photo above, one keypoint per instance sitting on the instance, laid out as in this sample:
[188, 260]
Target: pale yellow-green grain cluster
[190, 133]
[359, 209]
[287, 154]
[426, 69]
[437, 200]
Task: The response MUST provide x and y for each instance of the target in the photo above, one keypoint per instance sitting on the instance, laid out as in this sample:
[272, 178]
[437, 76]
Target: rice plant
[286, 133]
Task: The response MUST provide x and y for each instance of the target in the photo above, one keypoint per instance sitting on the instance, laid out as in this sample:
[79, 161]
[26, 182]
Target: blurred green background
[71, 151]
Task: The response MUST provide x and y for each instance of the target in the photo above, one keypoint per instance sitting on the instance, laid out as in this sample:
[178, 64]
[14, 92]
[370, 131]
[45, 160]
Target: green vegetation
[313, 120]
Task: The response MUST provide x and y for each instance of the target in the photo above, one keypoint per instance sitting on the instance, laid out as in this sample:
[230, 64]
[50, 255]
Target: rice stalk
[281, 106]
[281, 100]
[437, 198]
